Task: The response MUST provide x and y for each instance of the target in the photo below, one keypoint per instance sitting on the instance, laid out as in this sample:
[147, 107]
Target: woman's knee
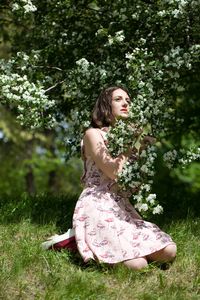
[170, 252]
[166, 254]
[136, 263]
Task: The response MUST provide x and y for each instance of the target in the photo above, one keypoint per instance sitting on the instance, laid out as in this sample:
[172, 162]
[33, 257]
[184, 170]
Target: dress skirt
[107, 228]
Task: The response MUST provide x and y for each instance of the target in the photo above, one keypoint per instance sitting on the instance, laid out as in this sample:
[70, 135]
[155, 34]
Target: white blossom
[170, 157]
[151, 198]
[141, 207]
[157, 210]
[25, 5]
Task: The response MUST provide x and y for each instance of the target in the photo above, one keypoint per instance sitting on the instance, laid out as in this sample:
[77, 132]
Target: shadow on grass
[75, 259]
[52, 209]
[49, 209]
[40, 209]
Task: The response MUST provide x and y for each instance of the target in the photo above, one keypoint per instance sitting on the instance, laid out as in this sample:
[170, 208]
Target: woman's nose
[125, 103]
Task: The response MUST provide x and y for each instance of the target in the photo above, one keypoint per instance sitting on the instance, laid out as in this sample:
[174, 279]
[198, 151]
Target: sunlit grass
[28, 272]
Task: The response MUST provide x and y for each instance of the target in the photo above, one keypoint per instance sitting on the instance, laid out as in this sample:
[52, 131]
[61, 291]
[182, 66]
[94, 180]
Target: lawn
[28, 272]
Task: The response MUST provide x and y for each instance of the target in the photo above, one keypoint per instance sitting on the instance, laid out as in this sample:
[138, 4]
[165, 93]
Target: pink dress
[107, 227]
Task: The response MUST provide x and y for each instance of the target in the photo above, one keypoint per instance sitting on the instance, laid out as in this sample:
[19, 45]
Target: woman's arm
[95, 147]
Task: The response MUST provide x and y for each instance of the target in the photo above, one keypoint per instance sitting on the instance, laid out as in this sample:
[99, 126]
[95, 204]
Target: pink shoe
[62, 241]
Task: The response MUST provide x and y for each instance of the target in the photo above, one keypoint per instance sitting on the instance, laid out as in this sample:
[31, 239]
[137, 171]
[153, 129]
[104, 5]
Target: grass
[28, 272]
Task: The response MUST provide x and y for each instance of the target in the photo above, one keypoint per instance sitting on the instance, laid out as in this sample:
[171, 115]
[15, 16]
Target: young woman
[107, 228]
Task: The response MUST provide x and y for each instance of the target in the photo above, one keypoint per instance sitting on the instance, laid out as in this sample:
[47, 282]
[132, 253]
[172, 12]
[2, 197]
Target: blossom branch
[53, 86]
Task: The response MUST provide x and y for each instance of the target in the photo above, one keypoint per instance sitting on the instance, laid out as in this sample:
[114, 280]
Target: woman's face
[120, 104]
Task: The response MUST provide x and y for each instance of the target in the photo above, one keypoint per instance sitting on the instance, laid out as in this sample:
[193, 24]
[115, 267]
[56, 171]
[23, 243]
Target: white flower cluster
[138, 171]
[118, 38]
[170, 157]
[74, 131]
[85, 75]
[80, 117]
[150, 78]
[182, 157]
[25, 6]
[144, 71]
[29, 98]
[189, 156]
[144, 201]
[84, 64]
[122, 136]
[150, 203]
[176, 9]
[176, 58]
[80, 76]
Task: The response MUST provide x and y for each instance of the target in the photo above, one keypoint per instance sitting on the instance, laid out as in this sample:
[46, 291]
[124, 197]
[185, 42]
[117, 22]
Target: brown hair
[102, 111]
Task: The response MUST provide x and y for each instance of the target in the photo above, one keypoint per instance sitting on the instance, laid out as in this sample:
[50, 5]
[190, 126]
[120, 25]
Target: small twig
[53, 86]
[42, 67]
[48, 67]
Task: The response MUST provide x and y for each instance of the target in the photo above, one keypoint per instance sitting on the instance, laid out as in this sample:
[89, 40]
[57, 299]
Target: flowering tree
[69, 50]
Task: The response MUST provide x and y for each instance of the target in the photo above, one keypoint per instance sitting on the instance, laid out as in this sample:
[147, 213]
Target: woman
[107, 227]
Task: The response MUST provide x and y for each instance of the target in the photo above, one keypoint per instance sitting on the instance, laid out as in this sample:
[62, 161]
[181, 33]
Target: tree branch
[48, 67]
[53, 86]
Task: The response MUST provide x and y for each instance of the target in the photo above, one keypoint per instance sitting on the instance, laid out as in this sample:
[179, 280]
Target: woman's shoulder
[94, 133]
[92, 130]
[95, 129]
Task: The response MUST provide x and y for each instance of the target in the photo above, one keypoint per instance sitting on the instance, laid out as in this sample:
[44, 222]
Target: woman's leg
[166, 254]
[136, 263]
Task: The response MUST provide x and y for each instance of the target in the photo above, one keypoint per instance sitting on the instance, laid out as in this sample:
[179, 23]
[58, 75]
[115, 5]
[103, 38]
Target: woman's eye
[120, 99]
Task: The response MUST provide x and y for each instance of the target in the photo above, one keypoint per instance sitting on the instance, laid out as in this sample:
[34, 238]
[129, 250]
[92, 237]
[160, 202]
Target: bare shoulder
[92, 134]
[93, 141]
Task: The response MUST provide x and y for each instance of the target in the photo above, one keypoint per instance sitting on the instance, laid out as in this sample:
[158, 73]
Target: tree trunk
[52, 182]
[30, 182]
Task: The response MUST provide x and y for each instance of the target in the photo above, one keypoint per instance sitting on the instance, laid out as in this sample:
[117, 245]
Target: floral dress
[107, 227]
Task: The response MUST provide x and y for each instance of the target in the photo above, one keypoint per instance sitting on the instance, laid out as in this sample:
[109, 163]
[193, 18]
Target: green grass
[28, 272]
